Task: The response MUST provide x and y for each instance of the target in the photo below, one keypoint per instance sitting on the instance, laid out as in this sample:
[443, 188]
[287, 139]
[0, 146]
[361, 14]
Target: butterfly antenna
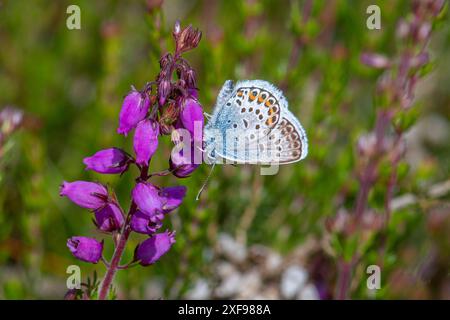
[204, 183]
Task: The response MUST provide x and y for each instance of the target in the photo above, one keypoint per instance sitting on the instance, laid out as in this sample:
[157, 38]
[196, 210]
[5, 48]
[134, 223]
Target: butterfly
[251, 124]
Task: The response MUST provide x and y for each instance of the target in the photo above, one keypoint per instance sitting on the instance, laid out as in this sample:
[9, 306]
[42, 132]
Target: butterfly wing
[285, 143]
[224, 94]
[251, 123]
[252, 108]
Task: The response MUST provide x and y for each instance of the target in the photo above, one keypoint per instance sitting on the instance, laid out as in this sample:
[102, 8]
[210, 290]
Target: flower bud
[187, 39]
[176, 29]
[10, 120]
[375, 60]
[150, 250]
[109, 218]
[180, 165]
[112, 160]
[134, 108]
[190, 79]
[165, 61]
[145, 141]
[367, 145]
[142, 223]
[164, 89]
[89, 195]
[85, 249]
[424, 31]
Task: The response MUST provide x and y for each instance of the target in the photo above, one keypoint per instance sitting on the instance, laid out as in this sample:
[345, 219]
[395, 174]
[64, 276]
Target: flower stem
[109, 276]
[120, 247]
[343, 283]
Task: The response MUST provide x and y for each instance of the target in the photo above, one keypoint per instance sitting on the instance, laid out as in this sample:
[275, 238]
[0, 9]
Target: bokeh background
[250, 236]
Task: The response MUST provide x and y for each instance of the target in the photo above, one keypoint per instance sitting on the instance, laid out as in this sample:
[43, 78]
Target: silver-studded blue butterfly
[251, 124]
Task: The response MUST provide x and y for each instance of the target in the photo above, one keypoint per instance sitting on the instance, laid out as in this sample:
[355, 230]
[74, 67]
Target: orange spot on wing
[268, 103]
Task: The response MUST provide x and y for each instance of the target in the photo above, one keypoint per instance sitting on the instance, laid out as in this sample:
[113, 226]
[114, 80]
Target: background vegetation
[70, 86]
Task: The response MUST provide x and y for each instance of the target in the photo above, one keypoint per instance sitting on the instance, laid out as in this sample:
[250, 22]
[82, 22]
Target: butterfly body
[251, 124]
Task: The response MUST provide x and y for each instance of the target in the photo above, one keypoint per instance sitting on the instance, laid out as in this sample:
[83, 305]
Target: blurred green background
[70, 85]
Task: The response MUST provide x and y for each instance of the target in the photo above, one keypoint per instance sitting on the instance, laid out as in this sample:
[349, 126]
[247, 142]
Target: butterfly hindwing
[287, 142]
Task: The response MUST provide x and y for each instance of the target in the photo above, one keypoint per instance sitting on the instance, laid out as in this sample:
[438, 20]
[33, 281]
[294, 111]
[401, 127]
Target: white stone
[309, 292]
[232, 249]
[200, 290]
[229, 286]
[293, 280]
[250, 285]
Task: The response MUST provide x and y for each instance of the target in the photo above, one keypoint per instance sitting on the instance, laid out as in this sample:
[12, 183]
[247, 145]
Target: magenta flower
[89, 195]
[150, 250]
[172, 197]
[192, 117]
[112, 160]
[109, 218]
[134, 108]
[153, 201]
[146, 196]
[193, 93]
[182, 166]
[85, 249]
[145, 141]
[142, 223]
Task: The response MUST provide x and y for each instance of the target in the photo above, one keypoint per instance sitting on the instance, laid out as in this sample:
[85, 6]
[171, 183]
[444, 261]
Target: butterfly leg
[207, 115]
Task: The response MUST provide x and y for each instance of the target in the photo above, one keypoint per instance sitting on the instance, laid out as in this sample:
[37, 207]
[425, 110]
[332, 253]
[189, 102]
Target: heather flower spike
[85, 249]
[108, 161]
[161, 106]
